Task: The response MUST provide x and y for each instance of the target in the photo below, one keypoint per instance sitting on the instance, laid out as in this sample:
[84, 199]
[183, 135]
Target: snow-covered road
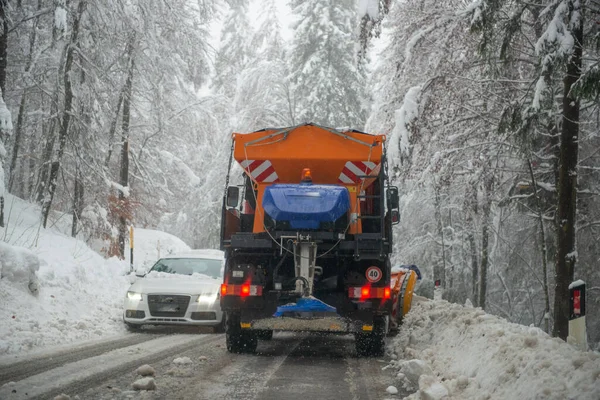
[291, 366]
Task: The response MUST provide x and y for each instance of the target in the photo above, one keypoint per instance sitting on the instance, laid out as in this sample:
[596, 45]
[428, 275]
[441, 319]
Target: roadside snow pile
[457, 352]
[19, 266]
[145, 370]
[144, 384]
[182, 361]
[79, 293]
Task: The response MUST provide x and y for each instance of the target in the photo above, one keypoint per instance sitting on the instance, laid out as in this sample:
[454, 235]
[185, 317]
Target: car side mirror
[140, 272]
[393, 197]
[233, 196]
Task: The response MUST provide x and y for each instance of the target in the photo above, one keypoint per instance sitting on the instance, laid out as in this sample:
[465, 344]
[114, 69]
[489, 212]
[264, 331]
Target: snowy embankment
[448, 351]
[54, 289]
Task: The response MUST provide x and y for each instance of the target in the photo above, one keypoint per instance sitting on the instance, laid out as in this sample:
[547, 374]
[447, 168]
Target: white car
[181, 289]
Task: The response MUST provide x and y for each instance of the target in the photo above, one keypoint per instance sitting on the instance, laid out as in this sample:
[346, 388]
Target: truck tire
[238, 340]
[370, 344]
[265, 335]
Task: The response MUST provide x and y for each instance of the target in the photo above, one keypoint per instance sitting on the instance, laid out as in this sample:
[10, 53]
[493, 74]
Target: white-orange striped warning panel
[260, 170]
[353, 169]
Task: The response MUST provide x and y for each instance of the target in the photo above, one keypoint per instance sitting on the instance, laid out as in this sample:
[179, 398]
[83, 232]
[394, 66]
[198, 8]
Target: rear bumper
[351, 316]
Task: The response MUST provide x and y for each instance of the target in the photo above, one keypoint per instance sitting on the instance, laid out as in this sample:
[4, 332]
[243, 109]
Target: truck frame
[295, 263]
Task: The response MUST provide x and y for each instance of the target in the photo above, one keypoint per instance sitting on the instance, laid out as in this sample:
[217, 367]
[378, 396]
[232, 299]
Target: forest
[118, 113]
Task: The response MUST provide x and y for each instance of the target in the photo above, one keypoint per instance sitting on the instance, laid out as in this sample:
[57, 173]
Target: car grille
[162, 305]
[204, 316]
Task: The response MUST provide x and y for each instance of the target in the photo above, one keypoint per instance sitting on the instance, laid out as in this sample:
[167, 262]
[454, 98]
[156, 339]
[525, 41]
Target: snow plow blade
[403, 284]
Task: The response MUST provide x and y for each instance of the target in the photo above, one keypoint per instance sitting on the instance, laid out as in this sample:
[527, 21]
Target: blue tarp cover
[305, 206]
[305, 304]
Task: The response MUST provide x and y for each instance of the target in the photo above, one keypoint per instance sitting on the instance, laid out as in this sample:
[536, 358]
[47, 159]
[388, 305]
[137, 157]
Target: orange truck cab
[308, 236]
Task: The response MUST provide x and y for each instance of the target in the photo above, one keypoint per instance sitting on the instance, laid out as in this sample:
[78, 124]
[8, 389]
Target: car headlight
[134, 296]
[207, 298]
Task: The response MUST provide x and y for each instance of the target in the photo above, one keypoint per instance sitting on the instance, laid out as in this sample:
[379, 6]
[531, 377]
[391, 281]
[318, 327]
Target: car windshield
[189, 266]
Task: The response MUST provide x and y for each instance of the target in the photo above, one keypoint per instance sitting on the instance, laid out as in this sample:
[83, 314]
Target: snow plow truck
[307, 238]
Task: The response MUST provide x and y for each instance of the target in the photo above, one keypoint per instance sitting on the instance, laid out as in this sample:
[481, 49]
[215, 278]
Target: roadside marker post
[131, 248]
[437, 290]
[577, 330]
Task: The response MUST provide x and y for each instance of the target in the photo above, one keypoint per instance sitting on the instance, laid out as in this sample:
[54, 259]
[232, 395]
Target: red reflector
[245, 290]
[223, 289]
[577, 302]
[387, 293]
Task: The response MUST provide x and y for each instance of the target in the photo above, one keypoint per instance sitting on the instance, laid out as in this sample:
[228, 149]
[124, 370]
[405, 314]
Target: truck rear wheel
[265, 335]
[238, 340]
[370, 344]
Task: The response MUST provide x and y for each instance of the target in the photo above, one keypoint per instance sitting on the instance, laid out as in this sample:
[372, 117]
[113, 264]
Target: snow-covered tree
[235, 48]
[328, 86]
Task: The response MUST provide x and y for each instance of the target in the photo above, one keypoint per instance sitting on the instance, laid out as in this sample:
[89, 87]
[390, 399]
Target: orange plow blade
[403, 285]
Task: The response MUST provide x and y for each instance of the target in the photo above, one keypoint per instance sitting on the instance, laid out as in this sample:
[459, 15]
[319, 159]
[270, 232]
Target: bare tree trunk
[21, 118]
[66, 116]
[544, 249]
[124, 169]
[3, 45]
[78, 192]
[485, 251]
[566, 254]
[470, 206]
[42, 185]
[474, 268]
[17, 142]
[3, 64]
[439, 271]
[113, 128]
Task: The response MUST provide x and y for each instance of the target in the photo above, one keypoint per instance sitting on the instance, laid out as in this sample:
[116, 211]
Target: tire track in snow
[13, 371]
[78, 376]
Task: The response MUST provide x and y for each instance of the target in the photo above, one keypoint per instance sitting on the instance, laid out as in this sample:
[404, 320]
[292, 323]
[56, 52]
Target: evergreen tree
[328, 86]
[235, 50]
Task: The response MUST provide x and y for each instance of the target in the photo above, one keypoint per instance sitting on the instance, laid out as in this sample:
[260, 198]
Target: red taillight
[245, 290]
[387, 293]
[241, 290]
[370, 292]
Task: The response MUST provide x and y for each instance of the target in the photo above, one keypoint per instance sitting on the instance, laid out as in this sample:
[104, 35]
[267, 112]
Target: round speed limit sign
[374, 274]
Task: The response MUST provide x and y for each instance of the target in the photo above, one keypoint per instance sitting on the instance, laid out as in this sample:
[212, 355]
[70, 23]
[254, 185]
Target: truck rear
[308, 236]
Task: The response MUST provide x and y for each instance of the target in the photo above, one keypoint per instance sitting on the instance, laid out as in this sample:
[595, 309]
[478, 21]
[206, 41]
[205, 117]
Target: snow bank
[457, 352]
[80, 294]
[19, 266]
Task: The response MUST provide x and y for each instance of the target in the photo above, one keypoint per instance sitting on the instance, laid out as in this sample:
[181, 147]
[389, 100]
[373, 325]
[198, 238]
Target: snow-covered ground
[55, 290]
[449, 351]
[76, 294]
